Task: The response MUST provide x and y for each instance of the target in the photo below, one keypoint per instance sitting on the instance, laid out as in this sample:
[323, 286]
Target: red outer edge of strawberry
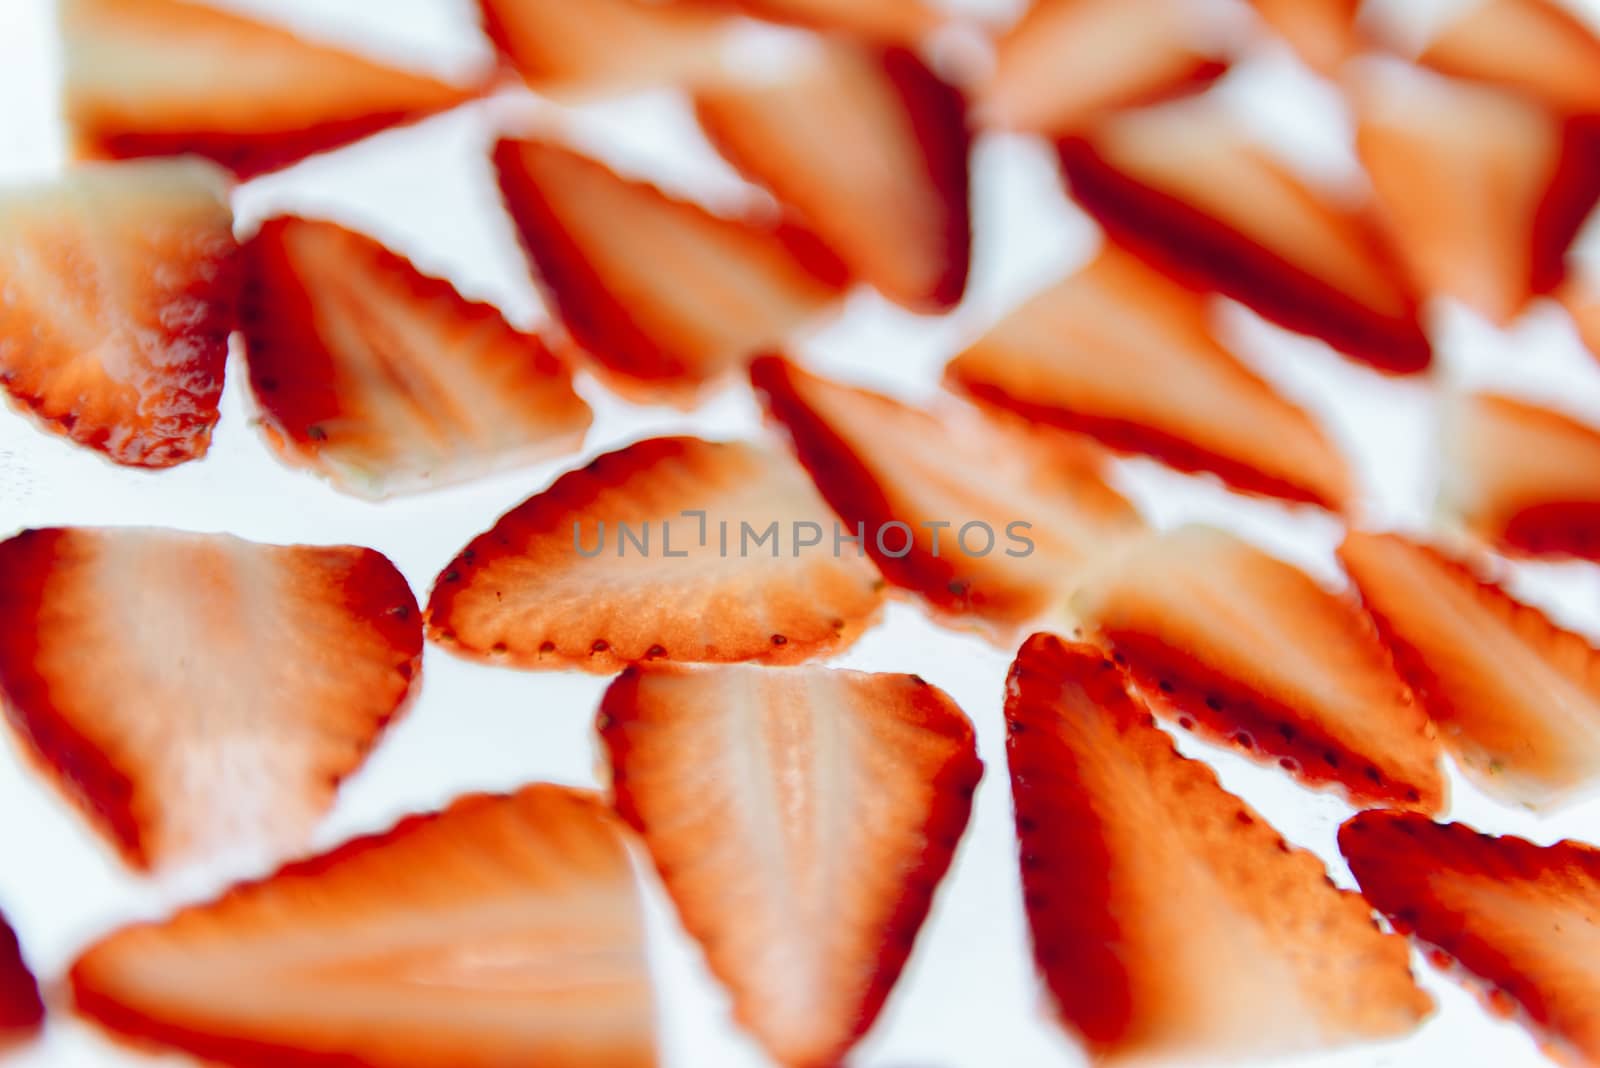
[21, 1008]
[1555, 529]
[1572, 195]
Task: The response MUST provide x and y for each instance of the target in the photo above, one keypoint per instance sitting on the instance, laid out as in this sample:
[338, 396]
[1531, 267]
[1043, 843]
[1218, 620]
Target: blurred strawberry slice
[1581, 295]
[904, 22]
[21, 1010]
[1323, 32]
[1536, 47]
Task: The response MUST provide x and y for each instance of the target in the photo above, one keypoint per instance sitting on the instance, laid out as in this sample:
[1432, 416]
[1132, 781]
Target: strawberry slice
[1512, 919]
[168, 78]
[665, 296]
[1170, 921]
[386, 380]
[1119, 352]
[1323, 32]
[21, 1009]
[1536, 47]
[117, 294]
[671, 548]
[503, 930]
[904, 22]
[986, 522]
[870, 148]
[1183, 187]
[1581, 295]
[1523, 477]
[194, 692]
[1248, 650]
[1068, 62]
[801, 820]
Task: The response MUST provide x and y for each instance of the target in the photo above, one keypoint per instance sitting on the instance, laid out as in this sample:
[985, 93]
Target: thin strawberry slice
[1249, 650]
[386, 380]
[1536, 47]
[503, 930]
[663, 295]
[196, 692]
[1170, 921]
[1581, 295]
[1183, 187]
[1119, 352]
[870, 148]
[1068, 62]
[986, 522]
[1524, 478]
[669, 549]
[21, 1009]
[1515, 921]
[1323, 32]
[904, 22]
[801, 820]
[169, 77]
[117, 294]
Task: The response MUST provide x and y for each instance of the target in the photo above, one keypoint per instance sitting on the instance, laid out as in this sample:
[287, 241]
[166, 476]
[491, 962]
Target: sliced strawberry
[117, 294]
[386, 380]
[169, 77]
[21, 1009]
[1523, 477]
[1183, 187]
[801, 820]
[1515, 920]
[1251, 651]
[1533, 46]
[192, 692]
[664, 296]
[1119, 352]
[1323, 32]
[1581, 295]
[503, 930]
[870, 148]
[1068, 62]
[904, 22]
[986, 522]
[1170, 921]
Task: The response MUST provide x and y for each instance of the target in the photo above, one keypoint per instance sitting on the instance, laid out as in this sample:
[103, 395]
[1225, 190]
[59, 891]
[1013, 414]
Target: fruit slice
[1536, 47]
[671, 548]
[1513, 920]
[986, 522]
[1524, 478]
[386, 380]
[664, 296]
[1119, 352]
[904, 22]
[801, 820]
[1323, 32]
[1581, 295]
[1170, 921]
[870, 148]
[117, 293]
[503, 930]
[1183, 187]
[195, 692]
[21, 1009]
[168, 78]
[1251, 651]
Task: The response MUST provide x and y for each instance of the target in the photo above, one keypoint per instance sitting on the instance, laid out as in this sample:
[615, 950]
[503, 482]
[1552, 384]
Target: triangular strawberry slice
[21, 1009]
[195, 692]
[1183, 187]
[503, 930]
[1513, 920]
[1536, 47]
[904, 22]
[117, 293]
[1120, 352]
[668, 549]
[1068, 62]
[170, 77]
[386, 380]
[1249, 650]
[986, 522]
[1323, 32]
[870, 148]
[801, 820]
[662, 294]
[1170, 921]
[1523, 477]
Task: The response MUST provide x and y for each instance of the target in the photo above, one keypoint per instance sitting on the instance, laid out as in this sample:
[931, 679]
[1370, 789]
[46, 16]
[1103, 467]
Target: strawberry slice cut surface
[21, 1008]
[1581, 296]
[1323, 32]
[1536, 47]
[903, 22]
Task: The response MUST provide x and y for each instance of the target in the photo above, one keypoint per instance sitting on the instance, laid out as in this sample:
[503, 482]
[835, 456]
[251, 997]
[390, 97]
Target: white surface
[968, 998]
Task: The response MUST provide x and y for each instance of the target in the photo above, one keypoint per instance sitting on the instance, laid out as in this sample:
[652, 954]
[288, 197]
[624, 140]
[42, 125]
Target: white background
[968, 998]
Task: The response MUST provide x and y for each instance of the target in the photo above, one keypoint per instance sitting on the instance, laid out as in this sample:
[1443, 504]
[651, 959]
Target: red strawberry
[986, 522]
[665, 296]
[904, 22]
[386, 380]
[21, 1010]
[672, 548]
[1323, 32]
[1170, 921]
[501, 931]
[169, 77]
[1183, 187]
[192, 692]
[117, 289]
[870, 148]
[1119, 352]
[1515, 920]
[1537, 47]
[1247, 649]
[801, 820]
